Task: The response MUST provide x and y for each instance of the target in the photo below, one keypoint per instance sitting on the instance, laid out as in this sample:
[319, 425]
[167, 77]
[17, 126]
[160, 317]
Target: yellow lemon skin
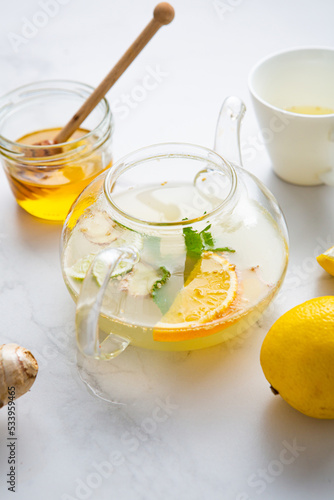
[297, 357]
[326, 260]
[208, 293]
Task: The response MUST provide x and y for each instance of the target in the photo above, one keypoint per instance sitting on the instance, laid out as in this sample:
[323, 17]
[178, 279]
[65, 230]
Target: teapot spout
[227, 140]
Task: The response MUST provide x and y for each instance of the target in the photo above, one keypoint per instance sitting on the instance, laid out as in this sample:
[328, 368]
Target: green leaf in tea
[222, 249]
[196, 243]
[193, 242]
[156, 292]
[207, 237]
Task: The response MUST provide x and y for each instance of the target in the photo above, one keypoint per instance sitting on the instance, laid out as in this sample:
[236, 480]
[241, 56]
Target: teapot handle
[90, 301]
[227, 139]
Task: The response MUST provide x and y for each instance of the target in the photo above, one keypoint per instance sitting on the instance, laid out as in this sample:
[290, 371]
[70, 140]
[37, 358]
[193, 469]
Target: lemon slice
[326, 260]
[207, 294]
[80, 268]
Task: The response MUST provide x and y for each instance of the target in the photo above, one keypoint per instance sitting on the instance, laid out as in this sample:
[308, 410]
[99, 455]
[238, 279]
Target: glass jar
[45, 179]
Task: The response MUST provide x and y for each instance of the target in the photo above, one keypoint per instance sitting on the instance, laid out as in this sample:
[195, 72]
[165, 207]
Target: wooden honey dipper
[162, 14]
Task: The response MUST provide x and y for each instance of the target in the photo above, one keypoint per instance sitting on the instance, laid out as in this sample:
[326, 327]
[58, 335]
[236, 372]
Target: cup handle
[327, 177]
[90, 301]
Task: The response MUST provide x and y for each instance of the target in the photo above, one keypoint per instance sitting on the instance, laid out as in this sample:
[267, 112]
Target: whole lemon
[297, 357]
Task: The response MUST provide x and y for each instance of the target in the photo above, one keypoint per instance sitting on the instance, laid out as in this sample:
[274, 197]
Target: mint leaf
[196, 243]
[223, 249]
[207, 237]
[194, 248]
[160, 282]
[160, 298]
[193, 242]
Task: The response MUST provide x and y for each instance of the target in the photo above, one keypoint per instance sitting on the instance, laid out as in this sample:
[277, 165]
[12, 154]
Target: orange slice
[206, 296]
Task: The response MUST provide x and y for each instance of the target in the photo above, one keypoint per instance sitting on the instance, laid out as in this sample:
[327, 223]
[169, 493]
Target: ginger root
[18, 369]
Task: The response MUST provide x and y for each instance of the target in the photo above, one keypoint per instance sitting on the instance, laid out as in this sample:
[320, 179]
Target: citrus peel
[206, 297]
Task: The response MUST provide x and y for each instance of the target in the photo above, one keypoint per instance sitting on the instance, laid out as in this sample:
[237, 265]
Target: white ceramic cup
[300, 146]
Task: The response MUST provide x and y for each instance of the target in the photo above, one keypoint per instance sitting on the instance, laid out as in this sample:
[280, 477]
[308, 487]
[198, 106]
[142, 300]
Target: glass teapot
[173, 248]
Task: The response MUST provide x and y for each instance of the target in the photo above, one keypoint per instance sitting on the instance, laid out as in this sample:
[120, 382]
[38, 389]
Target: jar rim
[46, 85]
[170, 150]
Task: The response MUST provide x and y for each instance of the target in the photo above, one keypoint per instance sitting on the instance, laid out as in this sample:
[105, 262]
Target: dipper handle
[163, 14]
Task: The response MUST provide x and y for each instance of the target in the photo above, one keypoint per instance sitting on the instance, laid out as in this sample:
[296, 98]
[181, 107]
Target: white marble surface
[223, 433]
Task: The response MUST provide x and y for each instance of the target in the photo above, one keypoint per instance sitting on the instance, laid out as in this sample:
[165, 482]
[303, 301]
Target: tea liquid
[310, 110]
[260, 259]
